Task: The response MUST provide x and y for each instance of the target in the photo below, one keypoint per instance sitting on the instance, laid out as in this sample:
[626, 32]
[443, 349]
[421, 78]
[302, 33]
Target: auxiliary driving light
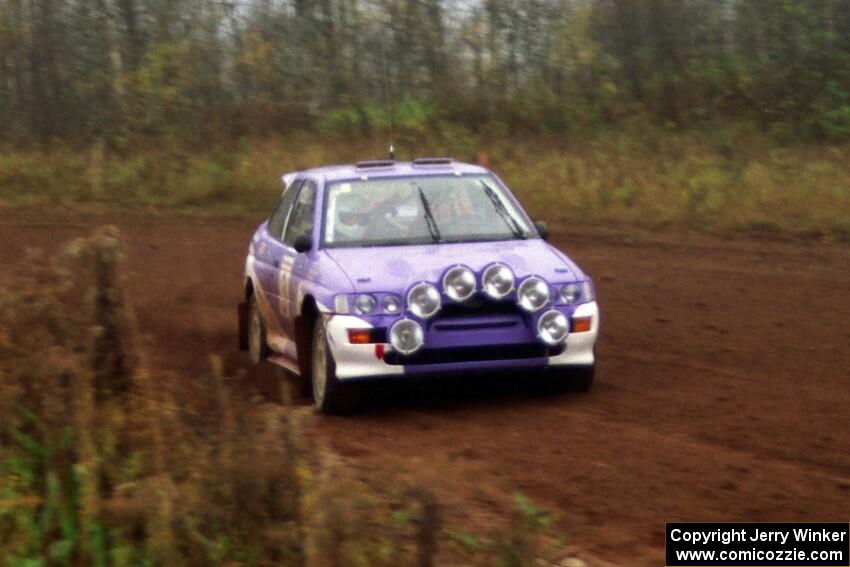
[533, 294]
[459, 283]
[552, 328]
[406, 336]
[498, 281]
[423, 300]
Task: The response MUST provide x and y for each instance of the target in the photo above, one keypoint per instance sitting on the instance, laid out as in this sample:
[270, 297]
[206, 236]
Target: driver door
[268, 256]
[294, 266]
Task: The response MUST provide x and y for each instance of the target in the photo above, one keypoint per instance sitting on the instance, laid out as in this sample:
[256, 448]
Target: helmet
[352, 216]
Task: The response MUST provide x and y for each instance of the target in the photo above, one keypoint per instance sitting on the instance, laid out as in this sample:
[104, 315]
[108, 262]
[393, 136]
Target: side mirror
[303, 243]
[542, 229]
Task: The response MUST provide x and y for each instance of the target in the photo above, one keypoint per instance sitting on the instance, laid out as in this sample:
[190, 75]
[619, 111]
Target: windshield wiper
[503, 211]
[429, 216]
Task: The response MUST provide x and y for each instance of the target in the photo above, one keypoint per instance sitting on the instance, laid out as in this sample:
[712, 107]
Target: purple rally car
[385, 269]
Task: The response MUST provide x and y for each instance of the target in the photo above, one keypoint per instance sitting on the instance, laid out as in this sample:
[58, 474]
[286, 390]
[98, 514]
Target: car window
[421, 210]
[301, 220]
[281, 211]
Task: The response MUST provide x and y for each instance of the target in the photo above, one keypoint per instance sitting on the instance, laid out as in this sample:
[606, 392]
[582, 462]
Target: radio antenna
[387, 98]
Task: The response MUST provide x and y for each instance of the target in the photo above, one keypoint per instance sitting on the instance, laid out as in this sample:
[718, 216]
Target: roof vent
[375, 163]
[426, 161]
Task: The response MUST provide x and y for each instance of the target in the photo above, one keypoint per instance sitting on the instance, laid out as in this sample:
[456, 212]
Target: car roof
[378, 169]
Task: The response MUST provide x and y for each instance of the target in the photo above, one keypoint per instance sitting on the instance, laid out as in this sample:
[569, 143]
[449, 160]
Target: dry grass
[724, 180]
[103, 463]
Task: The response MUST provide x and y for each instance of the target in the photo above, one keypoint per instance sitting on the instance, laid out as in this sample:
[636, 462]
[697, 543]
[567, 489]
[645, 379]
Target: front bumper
[363, 361]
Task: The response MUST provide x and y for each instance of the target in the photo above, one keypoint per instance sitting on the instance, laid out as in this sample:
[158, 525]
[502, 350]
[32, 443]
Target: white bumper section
[355, 361]
[579, 351]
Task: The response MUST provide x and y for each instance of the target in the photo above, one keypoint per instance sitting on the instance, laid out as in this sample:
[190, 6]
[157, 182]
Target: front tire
[329, 394]
[258, 348]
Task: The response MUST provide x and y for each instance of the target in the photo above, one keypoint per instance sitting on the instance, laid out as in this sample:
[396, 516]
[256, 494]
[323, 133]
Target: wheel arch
[249, 288]
[242, 314]
[304, 322]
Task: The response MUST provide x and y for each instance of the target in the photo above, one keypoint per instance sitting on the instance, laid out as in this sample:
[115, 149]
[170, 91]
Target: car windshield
[420, 210]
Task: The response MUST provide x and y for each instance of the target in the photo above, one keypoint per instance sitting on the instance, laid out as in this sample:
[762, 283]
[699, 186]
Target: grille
[490, 323]
[474, 354]
[479, 314]
[477, 307]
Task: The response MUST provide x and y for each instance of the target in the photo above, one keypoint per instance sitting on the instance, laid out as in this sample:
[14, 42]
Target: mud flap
[242, 309]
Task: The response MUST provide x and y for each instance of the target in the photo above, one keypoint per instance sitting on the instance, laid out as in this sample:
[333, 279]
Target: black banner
[761, 545]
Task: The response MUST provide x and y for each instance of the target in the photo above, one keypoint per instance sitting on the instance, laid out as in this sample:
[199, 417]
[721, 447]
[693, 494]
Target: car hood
[395, 268]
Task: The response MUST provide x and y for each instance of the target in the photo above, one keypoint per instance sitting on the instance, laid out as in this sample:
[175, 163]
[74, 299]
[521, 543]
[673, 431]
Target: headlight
[533, 294]
[341, 304]
[552, 328]
[423, 300]
[569, 294]
[498, 281]
[391, 304]
[578, 293]
[364, 304]
[587, 292]
[459, 283]
[406, 336]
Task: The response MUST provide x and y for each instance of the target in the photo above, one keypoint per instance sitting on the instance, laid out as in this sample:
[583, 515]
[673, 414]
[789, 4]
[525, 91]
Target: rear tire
[329, 394]
[258, 348]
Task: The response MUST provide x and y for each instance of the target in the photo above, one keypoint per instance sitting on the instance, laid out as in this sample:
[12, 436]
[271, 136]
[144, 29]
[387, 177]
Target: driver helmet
[352, 216]
[407, 208]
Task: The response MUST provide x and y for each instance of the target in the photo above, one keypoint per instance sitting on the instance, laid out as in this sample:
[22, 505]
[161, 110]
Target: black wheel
[258, 348]
[329, 394]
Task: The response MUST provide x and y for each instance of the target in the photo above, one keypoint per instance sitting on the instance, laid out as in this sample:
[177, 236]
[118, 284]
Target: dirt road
[723, 388]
